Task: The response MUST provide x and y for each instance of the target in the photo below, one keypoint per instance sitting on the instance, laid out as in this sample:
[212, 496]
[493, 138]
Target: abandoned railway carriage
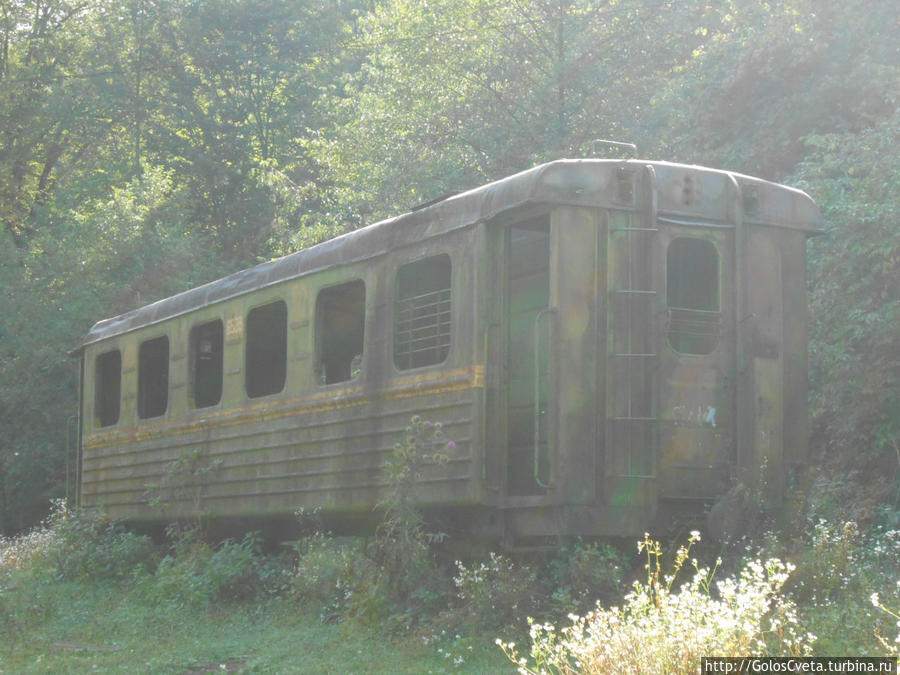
[604, 341]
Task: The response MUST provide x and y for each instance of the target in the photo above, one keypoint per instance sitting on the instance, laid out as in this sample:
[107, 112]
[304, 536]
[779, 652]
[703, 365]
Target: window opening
[107, 388]
[692, 295]
[153, 377]
[206, 350]
[340, 329]
[422, 313]
[266, 349]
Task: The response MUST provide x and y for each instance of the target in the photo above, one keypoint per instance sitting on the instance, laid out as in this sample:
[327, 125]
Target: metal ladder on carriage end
[632, 430]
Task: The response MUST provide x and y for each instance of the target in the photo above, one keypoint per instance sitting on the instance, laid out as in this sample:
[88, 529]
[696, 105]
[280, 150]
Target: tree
[457, 92]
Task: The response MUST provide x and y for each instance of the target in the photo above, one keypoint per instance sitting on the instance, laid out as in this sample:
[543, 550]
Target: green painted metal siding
[310, 445]
[575, 401]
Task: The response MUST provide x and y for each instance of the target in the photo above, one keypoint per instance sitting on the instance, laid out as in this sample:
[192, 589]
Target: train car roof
[588, 182]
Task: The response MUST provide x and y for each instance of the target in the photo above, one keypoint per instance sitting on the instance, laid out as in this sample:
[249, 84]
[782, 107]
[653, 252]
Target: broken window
[206, 364]
[692, 295]
[266, 349]
[422, 313]
[107, 388]
[340, 329]
[153, 377]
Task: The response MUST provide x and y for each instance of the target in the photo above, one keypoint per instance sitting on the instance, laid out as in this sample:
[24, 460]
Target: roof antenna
[616, 144]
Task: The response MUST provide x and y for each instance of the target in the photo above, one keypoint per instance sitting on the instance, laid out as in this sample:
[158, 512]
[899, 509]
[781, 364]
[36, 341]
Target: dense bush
[196, 573]
[79, 544]
[90, 546]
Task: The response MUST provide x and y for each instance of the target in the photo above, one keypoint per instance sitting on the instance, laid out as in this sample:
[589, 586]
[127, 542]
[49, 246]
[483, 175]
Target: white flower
[875, 600]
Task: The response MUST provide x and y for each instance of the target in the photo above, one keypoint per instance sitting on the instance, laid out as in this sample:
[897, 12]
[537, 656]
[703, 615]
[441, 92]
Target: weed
[892, 648]
[408, 577]
[194, 573]
[664, 628]
[584, 573]
[331, 573]
[496, 592]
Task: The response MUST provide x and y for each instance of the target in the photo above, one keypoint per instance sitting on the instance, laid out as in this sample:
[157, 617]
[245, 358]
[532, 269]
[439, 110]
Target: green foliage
[147, 146]
[662, 627]
[395, 576]
[854, 344]
[184, 479]
[402, 545]
[497, 592]
[838, 569]
[585, 573]
[89, 546]
[333, 575]
[73, 544]
[194, 573]
[423, 446]
[456, 92]
[844, 590]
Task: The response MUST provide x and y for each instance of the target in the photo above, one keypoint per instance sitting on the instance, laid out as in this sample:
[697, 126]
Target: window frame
[319, 327]
[707, 321]
[193, 356]
[99, 389]
[247, 344]
[143, 393]
[395, 305]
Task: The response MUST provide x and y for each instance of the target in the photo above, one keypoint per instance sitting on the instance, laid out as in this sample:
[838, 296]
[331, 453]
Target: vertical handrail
[537, 401]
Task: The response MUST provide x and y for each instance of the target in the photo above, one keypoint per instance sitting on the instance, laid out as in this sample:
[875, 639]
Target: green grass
[64, 627]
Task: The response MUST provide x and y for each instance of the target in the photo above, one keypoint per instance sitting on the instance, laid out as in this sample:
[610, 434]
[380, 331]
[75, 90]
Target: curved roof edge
[588, 182]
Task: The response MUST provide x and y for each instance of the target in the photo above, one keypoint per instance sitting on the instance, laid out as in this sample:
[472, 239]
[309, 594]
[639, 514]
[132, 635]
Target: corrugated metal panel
[275, 465]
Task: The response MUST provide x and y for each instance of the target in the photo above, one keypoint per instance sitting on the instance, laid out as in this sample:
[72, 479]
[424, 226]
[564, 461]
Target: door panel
[697, 374]
[528, 346]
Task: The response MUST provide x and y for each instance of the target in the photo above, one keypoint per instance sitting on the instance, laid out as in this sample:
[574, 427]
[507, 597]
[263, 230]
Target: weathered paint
[624, 422]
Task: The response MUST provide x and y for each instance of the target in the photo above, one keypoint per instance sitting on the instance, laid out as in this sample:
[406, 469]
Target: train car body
[604, 341]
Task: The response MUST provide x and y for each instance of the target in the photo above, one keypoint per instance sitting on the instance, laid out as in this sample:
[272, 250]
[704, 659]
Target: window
[422, 313]
[692, 295]
[206, 364]
[266, 349]
[107, 388]
[153, 377]
[340, 329]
